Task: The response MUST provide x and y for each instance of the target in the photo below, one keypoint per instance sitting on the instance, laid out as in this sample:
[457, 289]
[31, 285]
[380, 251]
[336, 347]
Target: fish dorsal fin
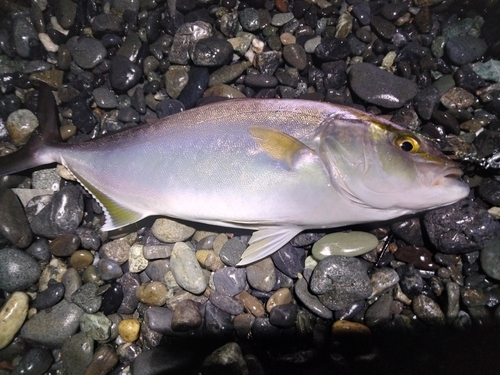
[278, 145]
[266, 241]
[116, 215]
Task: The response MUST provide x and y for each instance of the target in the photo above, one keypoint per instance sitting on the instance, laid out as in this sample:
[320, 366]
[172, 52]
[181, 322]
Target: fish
[273, 166]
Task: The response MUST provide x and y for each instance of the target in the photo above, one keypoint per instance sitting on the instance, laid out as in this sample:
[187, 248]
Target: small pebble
[252, 305]
[282, 296]
[170, 231]
[427, 310]
[261, 275]
[344, 243]
[186, 269]
[81, 259]
[18, 270]
[86, 297]
[12, 316]
[186, 316]
[152, 294]
[347, 328]
[129, 329]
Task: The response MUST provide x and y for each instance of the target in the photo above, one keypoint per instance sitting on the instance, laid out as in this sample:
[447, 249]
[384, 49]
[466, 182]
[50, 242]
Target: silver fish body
[275, 166]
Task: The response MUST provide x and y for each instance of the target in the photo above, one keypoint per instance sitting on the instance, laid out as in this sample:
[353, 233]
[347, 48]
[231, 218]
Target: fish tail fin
[38, 149]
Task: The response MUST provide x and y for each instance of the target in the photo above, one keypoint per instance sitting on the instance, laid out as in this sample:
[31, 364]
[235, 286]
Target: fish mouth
[447, 175]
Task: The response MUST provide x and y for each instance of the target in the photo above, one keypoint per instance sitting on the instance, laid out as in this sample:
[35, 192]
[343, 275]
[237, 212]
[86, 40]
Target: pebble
[36, 361]
[282, 296]
[112, 298]
[416, 255]
[18, 270]
[129, 329]
[490, 259]
[339, 281]
[409, 231]
[88, 52]
[157, 269]
[464, 49]
[332, 49]
[261, 275]
[152, 252]
[170, 231]
[209, 260]
[53, 327]
[227, 359]
[153, 293]
[136, 260]
[164, 360]
[460, 228]
[49, 297]
[22, 32]
[383, 279]
[104, 98]
[295, 55]
[103, 360]
[212, 52]
[391, 92]
[283, 316]
[301, 290]
[64, 245]
[379, 312]
[20, 125]
[232, 251]
[87, 298]
[108, 269]
[226, 303]
[123, 73]
[289, 260]
[345, 327]
[489, 70]
[129, 283]
[218, 323]
[230, 280]
[39, 250]
[489, 190]
[352, 243]
[97, 326]
[453, 300]
[81, 259]
[252, 304]
[71, 281]
[76, 353]
[457, 98]
[14, 225]
[427, 310]
[186, 316]
[186, 269]
[12, 316]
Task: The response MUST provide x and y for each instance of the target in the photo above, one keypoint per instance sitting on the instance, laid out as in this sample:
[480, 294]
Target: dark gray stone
[230, 280]
[18, 270]
[14, 225]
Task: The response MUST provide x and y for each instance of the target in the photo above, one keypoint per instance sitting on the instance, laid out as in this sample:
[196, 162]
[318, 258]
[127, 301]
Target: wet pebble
[81, 259]
[232, 251]
[152, 252]
[282, 296]
[88, 52]
[217, 322]
[18, 270]
[490, 259]
[383, 279]
[352, 243]
[460, 228]
[489, 190]
[54, 326]
[283, 316]
[36, 361]
[112, 298]
[12, 316]
[14, 225]
[76, 353]
[118, 250]
[123, 73]
[104, 98]
[416, 255]
[64, 245]
[252, 304]
[391, 92]
[289, 260]
[186, 316]
[261, 275]
[170, 231]
[129, 283]
[49, 297]
[212, 52]
[230, 280]
[20, 124]
[108, 269]
[22, 32]
[186, 269]
[428, 310]
[129, 329]
[312, 302]
[339, 281]
[97, 326]
[379, 312]
[227, 359]
[86, 298]
[153, 293]
[226, 303]
[136, 260]
[465, 49]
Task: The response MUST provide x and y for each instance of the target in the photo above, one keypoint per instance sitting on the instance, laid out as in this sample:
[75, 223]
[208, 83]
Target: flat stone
[261, 275]
[97, 326]
[186, 269]
[170, 231]
[351, 243]
[86, 298]
[18, 270]
[76, 353]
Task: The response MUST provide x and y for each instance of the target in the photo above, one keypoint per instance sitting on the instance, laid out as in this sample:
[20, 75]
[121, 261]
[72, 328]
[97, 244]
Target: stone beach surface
[416, 295]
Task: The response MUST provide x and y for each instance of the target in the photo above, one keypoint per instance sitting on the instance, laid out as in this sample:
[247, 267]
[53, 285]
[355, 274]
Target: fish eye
[407, 143]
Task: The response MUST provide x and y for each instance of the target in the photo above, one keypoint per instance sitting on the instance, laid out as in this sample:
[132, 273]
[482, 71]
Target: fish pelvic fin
[278, 145]
[266, 241]
[116, 215]
[37, 150]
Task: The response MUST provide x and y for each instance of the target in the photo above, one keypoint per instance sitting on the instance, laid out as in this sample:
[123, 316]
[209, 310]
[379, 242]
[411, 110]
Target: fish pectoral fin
[116, 215]
[266, 241]
[278, 145]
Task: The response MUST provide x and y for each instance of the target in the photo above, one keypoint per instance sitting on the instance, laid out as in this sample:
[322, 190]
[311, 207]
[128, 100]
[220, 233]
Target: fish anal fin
[266, 241]
[116, 215]
[278, 145]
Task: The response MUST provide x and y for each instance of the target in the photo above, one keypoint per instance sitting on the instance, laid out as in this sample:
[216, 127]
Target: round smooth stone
[312, 302]
[186, 316]
[261, 275]
[209, 260]
[427, 310]
[170, 231]
[12, 316]
[49, 297]
[76, 353]
[416, 255]
[186, 269]
[81, 259]
[112, 299]
[383, 279]
[108, 269]
[289, 260]
[52, 327]
[35, 362]
[490, 259]
[104, 359]
[282, 296]
[345, 327]
[230, 280]
[18, 270]
[232, 251]
[217, 322]
[88, 52]
[352, 244]
[252, 304]
[226, 303]
[14, 225]
[129, 329]
[64, 245]
[283, 316]
[157, 269]
[243, 324]
[152, 294]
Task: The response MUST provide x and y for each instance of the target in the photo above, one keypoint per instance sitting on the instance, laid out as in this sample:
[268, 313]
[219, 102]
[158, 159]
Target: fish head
[385, 168]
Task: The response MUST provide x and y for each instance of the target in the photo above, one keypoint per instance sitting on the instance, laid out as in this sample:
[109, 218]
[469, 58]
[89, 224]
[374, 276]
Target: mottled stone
[227, 359]
[18, 270]
[152, 294]
[186, 316]
[383, 279]
[86, 298]
[339, 281]
[97, 326]
[231, 251]
[76, 353]
[136, 260]
[428, 310]
[12, 316]
[170, 231]
[53, 327]
[118, 250]
[129, 329]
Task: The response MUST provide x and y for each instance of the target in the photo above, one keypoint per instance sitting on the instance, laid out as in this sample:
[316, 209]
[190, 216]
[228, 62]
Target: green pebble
[344, 243]
[489, 71]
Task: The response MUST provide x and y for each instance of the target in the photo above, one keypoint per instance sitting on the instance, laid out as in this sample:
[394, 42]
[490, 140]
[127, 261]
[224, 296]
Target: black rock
[124, 74]
[14, 225]
[168, 107]
[409, 231]
[410, 280]
[465, 49]
[426, 102]
[332, 49]
[230, 280]
[196, 86]
[467, 79]
[460, 228]
[283, 316]
[35, 361]
[218, 323]
[289, 260]
[40, 250]
[212, 52]
[112, 299]
[49, 297]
